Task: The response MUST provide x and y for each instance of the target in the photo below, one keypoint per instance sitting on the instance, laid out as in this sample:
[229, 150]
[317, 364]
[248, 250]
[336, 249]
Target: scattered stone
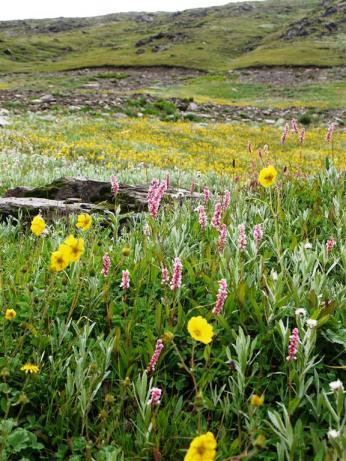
[4, 121]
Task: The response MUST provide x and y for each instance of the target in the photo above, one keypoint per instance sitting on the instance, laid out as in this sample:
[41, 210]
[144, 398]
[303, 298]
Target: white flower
[311, 323]
[308, 246]
[274, 276]
[333, 434]
[336, 385]
[301, 312]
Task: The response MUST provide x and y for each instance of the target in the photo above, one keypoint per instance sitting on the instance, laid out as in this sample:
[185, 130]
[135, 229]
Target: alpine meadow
[172, 234]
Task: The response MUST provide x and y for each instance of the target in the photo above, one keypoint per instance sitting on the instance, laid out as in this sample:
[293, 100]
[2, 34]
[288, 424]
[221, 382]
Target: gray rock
[192, 107]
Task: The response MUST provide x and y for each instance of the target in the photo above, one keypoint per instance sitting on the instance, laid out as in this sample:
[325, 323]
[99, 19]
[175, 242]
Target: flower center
[201, 450]
[198, 332]
[269, 177]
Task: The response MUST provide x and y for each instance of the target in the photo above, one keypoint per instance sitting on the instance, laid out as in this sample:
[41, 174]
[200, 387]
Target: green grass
[228, 90]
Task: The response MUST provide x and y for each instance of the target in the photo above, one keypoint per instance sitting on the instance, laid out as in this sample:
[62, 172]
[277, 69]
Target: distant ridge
[273, 32]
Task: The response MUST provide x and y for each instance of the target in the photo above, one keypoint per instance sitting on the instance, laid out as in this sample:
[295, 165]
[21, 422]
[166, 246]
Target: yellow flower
[256, 400]
[60, 259]
[202, 448]
[74, 246]
[267, 176]
[84, 221]
[30, 368]
[38, 225]
[10, 314]
[200, 329]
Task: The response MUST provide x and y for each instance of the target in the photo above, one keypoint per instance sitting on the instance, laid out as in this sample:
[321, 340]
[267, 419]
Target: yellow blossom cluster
[220, 148]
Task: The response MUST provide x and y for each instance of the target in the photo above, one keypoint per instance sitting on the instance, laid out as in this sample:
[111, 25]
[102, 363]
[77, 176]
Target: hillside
[237, 35]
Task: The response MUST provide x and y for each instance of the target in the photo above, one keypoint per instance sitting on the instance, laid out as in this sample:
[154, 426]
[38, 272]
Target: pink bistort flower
[221, 297]
[125, 283]
[177, 274]
[155, 357]
[155, 397]
[106, 265]
[293, 345]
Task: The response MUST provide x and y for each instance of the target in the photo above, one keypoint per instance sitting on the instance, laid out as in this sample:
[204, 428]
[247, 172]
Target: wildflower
[293, 345]
[206, 194]
[10, 314]
[125, 282]
[311, 323]
[60, 259]
[274, 275]
[30, 368]
[126, 251]
[258, 233]
[165, 276]
[106, 265]
[330, 245]
[249, 147]
[155, 194]
[146, 230]
[226, 200]
[168, 337]
[333, 434]
[302, 136]
[202, 217]
[336, 386]
[38, 225]
[115, 185]
[155, 396]
[266, 149]
[84, 221]
[177, 274]
[202, 448]
[155, 357]
[256, 400]
[259, 152]
[300, 312]
[222, 237]
[285, 134]
[308, 246]
[242, 237]
[200, 329]
[294, 125]
[168, 181]
[75, 247]
[267, 176]
[330, 130]
[221, 297]
[216, 219]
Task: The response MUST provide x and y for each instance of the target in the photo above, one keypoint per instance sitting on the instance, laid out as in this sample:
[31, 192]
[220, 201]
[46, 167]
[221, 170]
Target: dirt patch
[284, 76]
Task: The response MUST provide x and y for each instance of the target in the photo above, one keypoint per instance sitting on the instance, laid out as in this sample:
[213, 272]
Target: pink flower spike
[249, 147]
[216, 219]
[106, 265]
[330, 245]
[125, 284]
[115, 185]
[168, 181]
[302, 136]
[221, 297]
[293, 345]
[226, 200]
[206, 193]
[260, 152]
[165, 276]
[241, 237]
[285, 134]
[202, 217]
[330, 130]
[177, 274]
[222, 237]
[155, 397]
[155, 357]
[258, 233]
[155, 194]
[294, 125]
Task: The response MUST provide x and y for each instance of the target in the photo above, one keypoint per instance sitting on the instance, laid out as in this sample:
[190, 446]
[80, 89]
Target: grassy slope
[214, 39]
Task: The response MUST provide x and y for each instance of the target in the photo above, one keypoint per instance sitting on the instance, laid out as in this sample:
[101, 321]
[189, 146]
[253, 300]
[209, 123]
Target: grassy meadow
[184, 359]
